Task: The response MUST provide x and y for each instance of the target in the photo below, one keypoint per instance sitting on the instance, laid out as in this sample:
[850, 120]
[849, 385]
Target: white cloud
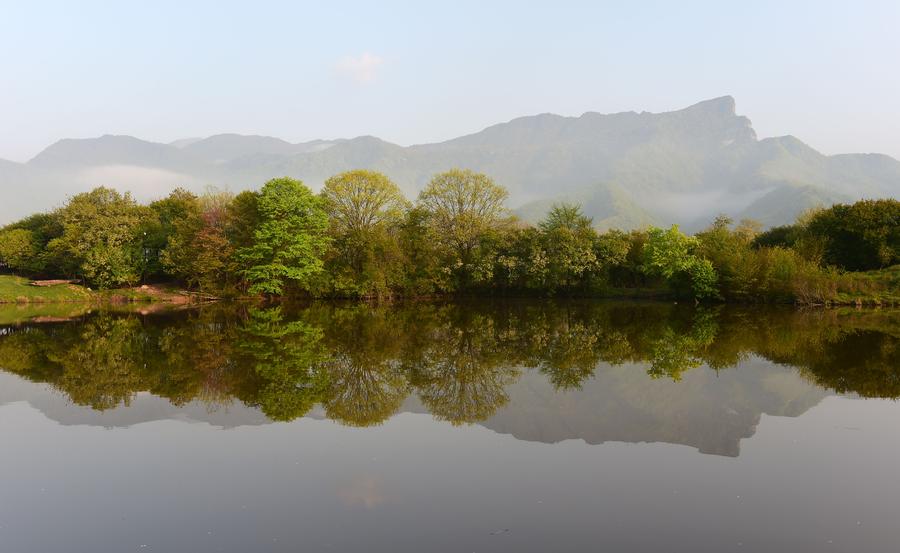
[362, 69]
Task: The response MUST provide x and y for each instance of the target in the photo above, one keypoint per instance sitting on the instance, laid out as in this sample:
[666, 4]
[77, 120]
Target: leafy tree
[243, 218]
[365, 209]
[859, 237]
[171, 212]
[359, 201]
[289, 240]
[784, 236]
[463, 209]
[100, 237]
[198, 249]
[18, 250]
[424, 272]
[568, 240]
[671, 254]
[740, 267]
[41, 229]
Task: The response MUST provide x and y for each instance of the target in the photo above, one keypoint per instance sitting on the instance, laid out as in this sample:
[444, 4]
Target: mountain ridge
[628, 169]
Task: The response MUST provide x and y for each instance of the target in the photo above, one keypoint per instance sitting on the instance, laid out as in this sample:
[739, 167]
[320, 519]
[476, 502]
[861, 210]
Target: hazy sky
[409, 72]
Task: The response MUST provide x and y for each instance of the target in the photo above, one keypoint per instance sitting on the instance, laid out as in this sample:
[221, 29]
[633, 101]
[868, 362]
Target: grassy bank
[19, 290]
[881, 287]
[14, 289]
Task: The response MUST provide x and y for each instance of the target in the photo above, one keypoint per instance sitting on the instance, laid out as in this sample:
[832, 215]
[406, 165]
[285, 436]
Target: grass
[18, 290]
[873, 287]
[15, 289]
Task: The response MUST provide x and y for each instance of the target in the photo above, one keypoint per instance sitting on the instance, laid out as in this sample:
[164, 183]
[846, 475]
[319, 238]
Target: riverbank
[20, 290]
[872, 288]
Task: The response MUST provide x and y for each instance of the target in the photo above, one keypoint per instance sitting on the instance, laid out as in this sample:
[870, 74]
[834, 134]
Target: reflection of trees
[673, 353]
[367, 384]
[363, 394]
[287, 360]
[102, 367]
[864, 362]
[462, 376]
[198, 358]
[361, 362]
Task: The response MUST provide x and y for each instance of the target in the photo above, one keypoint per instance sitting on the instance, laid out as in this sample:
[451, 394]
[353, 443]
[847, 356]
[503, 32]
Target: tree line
[361, 238]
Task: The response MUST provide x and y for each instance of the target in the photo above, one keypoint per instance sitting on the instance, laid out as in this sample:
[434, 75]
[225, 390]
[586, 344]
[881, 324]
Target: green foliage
[290, 239]
[672, 255]
[465, 211]
[101, 238]
[360, 238]
[18, 250]
[198, 250]
[288, 358]
[785, 236]
[365, 211]
[172, 213]
[859, 237]
[568, 241]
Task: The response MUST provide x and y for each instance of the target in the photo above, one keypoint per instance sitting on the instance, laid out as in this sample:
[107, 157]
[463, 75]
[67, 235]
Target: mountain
[627, 169]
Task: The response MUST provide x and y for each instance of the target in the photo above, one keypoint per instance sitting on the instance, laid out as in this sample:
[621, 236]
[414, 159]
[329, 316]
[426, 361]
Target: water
[489, 426]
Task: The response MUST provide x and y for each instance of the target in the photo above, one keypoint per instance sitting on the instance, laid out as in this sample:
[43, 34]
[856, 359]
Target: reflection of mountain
[707, 410]
[144, 407]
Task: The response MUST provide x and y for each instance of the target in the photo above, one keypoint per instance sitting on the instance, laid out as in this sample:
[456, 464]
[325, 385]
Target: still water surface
[504, 426]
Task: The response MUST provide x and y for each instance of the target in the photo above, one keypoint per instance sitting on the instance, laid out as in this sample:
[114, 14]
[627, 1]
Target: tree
[41, 228]
[359, 201]
[243, 218]
[740, 267]
[365, 209]
[859, 237]
[670, 254]
[568, 240]
[18, 250]
[290, 239]
[100, 238]
[198, 250]
[463, 209]
[171, 214]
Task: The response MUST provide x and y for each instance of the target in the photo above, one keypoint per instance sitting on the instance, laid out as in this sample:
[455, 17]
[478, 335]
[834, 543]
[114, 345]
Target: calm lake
[471, 427]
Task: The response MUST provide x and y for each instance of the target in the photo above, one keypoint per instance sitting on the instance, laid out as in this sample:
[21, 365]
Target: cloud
[362, 69]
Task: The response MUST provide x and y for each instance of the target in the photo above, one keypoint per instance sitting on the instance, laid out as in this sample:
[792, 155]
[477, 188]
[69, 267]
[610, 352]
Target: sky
[414, 72]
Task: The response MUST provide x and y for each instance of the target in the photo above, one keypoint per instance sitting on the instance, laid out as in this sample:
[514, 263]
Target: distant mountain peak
[723, 105]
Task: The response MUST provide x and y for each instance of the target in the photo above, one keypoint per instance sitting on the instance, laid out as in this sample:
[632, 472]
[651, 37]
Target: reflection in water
[627, 371]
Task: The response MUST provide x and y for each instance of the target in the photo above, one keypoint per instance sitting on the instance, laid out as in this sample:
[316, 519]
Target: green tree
[859, 237]
[365, 209]
[464, 208]
[740, 267]
[198, 250]
[568, 240]
[290, 239]
[359, 201]
[171, 212]
[18, 250]
[43, 227]
[100, 237]
[671, 254]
